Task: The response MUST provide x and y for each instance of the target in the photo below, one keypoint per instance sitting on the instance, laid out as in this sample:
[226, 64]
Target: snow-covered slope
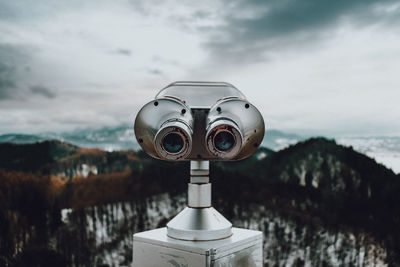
[385, 149]
[106, 238]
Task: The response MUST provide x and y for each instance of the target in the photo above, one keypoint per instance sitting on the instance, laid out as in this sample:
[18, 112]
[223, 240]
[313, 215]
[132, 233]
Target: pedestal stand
[199, 236]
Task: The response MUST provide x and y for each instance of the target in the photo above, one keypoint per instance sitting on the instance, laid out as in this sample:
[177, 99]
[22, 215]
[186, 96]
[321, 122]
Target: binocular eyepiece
[199, 121]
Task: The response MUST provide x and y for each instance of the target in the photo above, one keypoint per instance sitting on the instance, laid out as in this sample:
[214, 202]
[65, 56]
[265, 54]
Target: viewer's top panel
[200, 95]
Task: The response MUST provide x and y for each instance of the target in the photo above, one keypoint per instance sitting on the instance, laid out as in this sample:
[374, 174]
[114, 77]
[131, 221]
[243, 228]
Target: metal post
[199, 221]
[199, 188]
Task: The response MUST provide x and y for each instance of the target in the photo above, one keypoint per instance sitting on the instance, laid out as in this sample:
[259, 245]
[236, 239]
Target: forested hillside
[317, 202]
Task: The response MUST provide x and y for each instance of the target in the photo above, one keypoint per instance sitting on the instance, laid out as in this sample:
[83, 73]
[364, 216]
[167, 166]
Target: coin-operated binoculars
[199, 122]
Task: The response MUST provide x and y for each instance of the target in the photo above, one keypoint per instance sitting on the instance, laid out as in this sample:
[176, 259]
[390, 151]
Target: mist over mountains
[385, 149]
[108, 139]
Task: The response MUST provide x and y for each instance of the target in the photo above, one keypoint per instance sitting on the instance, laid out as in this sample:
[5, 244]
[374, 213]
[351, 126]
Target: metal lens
[172, 143]
[224, 141]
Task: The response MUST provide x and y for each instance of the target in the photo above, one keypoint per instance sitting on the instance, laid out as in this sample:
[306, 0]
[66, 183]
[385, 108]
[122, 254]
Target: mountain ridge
[316, 182]
[385, 149]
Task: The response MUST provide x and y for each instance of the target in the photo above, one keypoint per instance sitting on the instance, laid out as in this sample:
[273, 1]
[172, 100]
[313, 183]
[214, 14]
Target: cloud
[155, 72]
[14, 70]
[123, 52]
[253, 29]
[43, 91]
[107, 58]
[10, 58]
[7, 83]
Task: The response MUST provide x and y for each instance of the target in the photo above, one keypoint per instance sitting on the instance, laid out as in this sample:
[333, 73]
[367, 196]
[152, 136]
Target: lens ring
[173, 142]
[224, 140]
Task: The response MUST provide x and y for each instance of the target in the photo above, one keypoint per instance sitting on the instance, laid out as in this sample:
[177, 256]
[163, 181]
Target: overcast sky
[316, 66]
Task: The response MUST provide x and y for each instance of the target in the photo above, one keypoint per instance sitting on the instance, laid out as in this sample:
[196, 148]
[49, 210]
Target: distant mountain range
[123, 138]
[385, 149]
[107, 138]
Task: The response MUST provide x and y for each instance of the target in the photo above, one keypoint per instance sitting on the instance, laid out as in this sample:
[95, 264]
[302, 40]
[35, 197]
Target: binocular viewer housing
[199, 121]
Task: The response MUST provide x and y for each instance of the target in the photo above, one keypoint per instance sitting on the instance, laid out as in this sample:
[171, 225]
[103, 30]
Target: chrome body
[155, 248]
[197, 112]
[200, 95]
[247, 127]
[199, 121]
[159, 117]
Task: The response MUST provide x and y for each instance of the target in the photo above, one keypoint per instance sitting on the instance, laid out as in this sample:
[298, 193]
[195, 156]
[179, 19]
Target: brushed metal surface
[200, 95]
[149, 255]
[199, 168]
[197, 110]
[246, 117]
[199, 172]
[154, 248]
[246, 257]
[199, 224]
[158, 116]
[199, 195]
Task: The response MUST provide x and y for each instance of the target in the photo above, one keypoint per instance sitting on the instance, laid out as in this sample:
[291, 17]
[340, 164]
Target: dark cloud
[6, 10]
[9, 56]
[13, 69]
[27, 10]
[7, 83]
[123, 52]
[155, 72]
[282, 23]
[42, 91]
[201, 14]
